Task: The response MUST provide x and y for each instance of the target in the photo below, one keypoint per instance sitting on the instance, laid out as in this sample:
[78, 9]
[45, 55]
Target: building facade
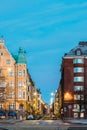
[74, 82]
[16, 86]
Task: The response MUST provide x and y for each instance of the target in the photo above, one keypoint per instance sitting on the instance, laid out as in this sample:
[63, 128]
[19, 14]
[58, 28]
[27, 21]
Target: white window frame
[11, 95]
[78, 61]
[78, 79]
[78, 70]
[19, 72]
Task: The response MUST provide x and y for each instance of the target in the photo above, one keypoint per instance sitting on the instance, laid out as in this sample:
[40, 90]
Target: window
[78, 61]
[81, 114]
[11, 95]
[24, 73]
[76, 107]
[19, 72]
[29, 98]
[20, 84]
[1, 54]
[1, 106]
[78, 97]
[78, 88]
[24, 94]
[2, 84]
[11, 73]
[29, 88]
[0, 73]
[1, 94]
[8, 61]
[19, 94]
[78, 79]
[78, 52]
[78, 69]
[12, 106]
[75, 115]
[11, 84]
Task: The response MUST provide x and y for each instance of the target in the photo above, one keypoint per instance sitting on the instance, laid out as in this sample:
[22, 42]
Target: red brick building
[74, 82]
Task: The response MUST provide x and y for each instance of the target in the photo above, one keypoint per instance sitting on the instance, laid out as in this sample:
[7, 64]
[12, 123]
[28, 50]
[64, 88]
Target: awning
[2, 113]
[12, 113]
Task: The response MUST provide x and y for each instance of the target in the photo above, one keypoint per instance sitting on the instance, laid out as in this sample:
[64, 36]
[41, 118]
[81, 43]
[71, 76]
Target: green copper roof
[21, 59]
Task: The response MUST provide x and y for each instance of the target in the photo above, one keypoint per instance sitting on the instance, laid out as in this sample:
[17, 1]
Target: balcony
[2, 87]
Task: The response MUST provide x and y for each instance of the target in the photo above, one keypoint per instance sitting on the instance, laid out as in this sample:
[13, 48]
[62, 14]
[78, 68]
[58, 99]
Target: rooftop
[79, 50]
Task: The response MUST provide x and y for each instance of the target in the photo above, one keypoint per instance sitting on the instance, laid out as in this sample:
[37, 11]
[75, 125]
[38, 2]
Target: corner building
[14, 81]
[74, 82]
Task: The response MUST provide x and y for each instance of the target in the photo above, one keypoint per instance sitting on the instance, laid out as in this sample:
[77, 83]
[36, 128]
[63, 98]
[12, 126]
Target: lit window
[78, 61]
[77, 107]
[78, 88]
[81, 114]
[78, 79]
[78, 69]
[78, 97]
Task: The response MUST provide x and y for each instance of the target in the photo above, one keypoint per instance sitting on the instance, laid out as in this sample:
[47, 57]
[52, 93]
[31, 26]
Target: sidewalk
[10, 121]
[77, 121]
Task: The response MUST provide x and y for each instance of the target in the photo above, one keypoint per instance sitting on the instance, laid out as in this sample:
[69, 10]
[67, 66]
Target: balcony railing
[2, 87]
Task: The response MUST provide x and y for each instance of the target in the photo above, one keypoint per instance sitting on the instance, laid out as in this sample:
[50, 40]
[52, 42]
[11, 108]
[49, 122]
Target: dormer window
[78, 52]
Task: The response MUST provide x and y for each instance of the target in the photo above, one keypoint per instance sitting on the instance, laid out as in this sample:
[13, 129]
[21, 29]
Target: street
[40, 125]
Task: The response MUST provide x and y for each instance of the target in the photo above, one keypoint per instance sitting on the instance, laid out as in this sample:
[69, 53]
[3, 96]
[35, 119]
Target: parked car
[30, 117]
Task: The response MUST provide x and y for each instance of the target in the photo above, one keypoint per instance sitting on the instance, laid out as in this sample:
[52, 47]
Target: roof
[82, 48]
[21, 57]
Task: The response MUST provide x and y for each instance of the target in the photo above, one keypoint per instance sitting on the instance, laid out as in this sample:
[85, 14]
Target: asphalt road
[42, 125]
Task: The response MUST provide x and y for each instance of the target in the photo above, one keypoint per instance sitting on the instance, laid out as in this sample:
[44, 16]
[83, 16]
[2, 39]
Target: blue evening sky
[46, 29]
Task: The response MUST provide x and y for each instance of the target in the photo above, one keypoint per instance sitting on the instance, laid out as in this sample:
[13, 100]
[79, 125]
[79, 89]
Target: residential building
[16, 86]
[74, 82]
[58, 103]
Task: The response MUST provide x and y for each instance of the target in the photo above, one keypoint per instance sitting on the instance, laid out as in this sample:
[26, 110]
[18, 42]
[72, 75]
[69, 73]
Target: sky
[46, 29]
